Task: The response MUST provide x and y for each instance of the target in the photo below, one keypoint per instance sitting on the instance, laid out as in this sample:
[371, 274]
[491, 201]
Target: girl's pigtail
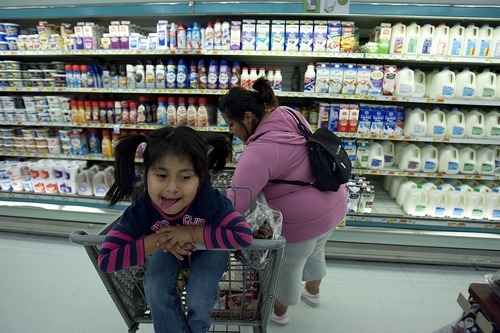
[124, 184]
[219, 153]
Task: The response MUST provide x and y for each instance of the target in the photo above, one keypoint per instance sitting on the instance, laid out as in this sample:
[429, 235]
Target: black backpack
[330, 163]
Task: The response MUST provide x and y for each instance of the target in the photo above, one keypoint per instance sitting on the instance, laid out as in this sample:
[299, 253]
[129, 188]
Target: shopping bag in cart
[266, 224]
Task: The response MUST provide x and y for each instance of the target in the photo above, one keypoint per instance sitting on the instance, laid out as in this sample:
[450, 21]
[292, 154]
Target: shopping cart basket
[247, 294]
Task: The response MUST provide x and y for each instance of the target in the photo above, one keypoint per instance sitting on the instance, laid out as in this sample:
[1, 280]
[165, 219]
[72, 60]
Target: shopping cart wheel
[133, 328]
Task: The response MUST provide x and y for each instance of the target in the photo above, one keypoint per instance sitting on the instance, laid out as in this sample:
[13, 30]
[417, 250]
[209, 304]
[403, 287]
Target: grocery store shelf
[396, 172]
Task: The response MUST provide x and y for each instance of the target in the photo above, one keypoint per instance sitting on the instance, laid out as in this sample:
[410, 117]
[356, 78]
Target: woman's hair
[184, 142]
[238, 100]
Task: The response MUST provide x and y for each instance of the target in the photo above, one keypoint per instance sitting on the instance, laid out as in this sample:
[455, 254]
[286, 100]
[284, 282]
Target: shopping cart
[246, 298]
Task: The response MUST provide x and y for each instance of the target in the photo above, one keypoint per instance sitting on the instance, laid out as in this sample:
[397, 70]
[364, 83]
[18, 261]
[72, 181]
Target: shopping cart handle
[81, 237]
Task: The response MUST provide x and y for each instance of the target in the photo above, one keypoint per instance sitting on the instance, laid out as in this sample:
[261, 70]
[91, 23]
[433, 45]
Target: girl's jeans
[160, 287]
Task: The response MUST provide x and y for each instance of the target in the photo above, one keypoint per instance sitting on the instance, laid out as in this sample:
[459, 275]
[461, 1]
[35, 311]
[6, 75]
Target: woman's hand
[178, 240]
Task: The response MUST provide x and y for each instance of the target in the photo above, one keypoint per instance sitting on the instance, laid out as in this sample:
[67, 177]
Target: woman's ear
[248, 117]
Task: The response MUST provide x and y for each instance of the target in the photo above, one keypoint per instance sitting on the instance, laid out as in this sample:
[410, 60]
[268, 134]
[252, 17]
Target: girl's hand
[176, 239]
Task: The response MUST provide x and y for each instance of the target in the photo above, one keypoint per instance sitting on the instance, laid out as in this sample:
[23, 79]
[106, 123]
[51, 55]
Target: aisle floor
[49, 285]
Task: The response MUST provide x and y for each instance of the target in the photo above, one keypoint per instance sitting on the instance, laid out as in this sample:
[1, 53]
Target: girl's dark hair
[183, 142]
[238, 100]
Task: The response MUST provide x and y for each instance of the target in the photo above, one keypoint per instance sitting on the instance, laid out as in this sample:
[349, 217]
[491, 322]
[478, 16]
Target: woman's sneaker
[311, 299]
[280, 320]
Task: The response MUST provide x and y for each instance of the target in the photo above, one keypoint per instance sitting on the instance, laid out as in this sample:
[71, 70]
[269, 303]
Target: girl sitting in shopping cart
[174, 207]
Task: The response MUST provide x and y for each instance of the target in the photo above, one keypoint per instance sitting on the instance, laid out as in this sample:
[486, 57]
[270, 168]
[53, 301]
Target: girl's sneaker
[280, 320]
[311, 299]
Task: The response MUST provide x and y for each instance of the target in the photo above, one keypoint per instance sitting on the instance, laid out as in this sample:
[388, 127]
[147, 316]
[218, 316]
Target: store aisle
[50, 285]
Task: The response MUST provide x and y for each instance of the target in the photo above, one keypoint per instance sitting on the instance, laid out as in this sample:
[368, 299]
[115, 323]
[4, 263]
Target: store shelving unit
[387, 227]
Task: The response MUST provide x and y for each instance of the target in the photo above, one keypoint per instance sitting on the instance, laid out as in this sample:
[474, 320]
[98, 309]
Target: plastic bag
[266, 224]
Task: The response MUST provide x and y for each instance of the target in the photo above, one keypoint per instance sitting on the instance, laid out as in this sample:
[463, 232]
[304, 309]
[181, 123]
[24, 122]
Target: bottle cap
[202, 101]
[191, 100]
[110, 104]
[83, 68]
[182, 100]
[68, 67]
[76, 68]
[161, 99]
[81, 103]
[142, 99]
[105, 133]
[102, 104]
[74, 102]
[172, 100]
[125, 105]
[95, 104]
[133, 105]
[88, 104]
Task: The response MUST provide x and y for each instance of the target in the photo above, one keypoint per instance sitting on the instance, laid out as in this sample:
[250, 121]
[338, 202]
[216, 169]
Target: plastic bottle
[202, 36]
[416, 202]
[486, 85]
[182, 112]
[466, 84]
[430, 158]
[106, 144]
[117, 112]
[193, 75]
[278, 80]
[474, 124]
[420, 83]
[192, 112]
[485, 161]
[160, 75]
[77, 77]
[235, 74]
[410, 159]
[492, 128]
[161, 112]
[209, 37]
[437, 203]
[412, 38]
[224, 79]
[196, 37]
[309, 78]
[114, 80]
[405, 187]
[471, 33]
[172, 36]
[83, 75]
[217, 34]
[405, 82]
[449, 160]
[455, 124]
[468, 160]
[270, 77]
[189, 36]
[376, 160]
[492, 200]
[69, 75]
[456, 41]
[213, 75]
[389, 154]
[296, 79]
[181, 36]
[226, 35]
[143, 111]
[150, 76]
[475, 205]
[485, 38]
[245, 78]
[133, 113]
[443, 84]
[182, 75]
[202, 75]
[426, 41]
[436, 123]
[415, 122]
[202, 117]
[456, 204]
[398, 148]
[140, 76]
[172, 112]
[442, 37]
[397, 44]
[495, 43]
[262, 72]
[106, 78]
[252, 76]
[130, 77]
[171, 75]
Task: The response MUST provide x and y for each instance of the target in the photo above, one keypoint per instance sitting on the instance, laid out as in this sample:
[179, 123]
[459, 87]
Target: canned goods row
[17, 65]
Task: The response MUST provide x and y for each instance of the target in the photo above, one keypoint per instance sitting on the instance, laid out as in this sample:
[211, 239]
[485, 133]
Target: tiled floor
[49, 285]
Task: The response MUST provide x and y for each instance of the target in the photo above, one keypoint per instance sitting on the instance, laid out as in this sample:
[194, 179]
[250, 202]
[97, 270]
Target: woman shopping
[275, 149]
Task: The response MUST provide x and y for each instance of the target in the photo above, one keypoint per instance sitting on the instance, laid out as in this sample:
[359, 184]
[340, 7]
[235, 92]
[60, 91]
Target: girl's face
[242, 129]
[172, 184]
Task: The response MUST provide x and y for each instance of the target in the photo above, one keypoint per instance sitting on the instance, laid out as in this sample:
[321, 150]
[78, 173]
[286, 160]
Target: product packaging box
[333, 125]
[400, 120]
[292, 35]
[114, 28]
[390, 120]
[336, 78]
[384, 38]
[376, 80]
[348, 37]
[323, 115]
[235, 35]
[363, 79]
[353, 118]
[350, 79]
[153, 41]
[135, 41]
[322, 77]
[350, 148]
[278, 35]
[362, 152]
[162, 33]
[306, 36]
[334, 35]
[365, 119]
[262, 35]
[344, 118]
[389, 82]
[366, 199]
[248, 35]
[320, 36]
[354, 193]
[378, 115]
[106, 41]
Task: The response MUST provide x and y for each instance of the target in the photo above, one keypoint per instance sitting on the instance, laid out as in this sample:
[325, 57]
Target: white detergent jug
[415, 122]
[84, 181]
[468, 163]
[436, 123]
[416, 202]
[437, 203]
[430, 158]
[410, 159]
[389, 154]
[486, 85]
[495, 43]
[426, 41]
[456, 204]
[443, 84]
[485, 161]
[405, 82]
[449, 160]
[405, 187]
[412, 38]
[441, 37]
[475, 205]
[456, 40]
[466, 84]
[470, 40]
[376, 156]
[395, 184]
[398, 147]
[474, 124]
[492, 125]
[101, 183]
[398, 34]
[485, 38]
[420, 83]
[492, 201]
[455, 124]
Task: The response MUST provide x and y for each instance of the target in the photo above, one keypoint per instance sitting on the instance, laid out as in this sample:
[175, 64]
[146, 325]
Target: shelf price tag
[116, 129]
